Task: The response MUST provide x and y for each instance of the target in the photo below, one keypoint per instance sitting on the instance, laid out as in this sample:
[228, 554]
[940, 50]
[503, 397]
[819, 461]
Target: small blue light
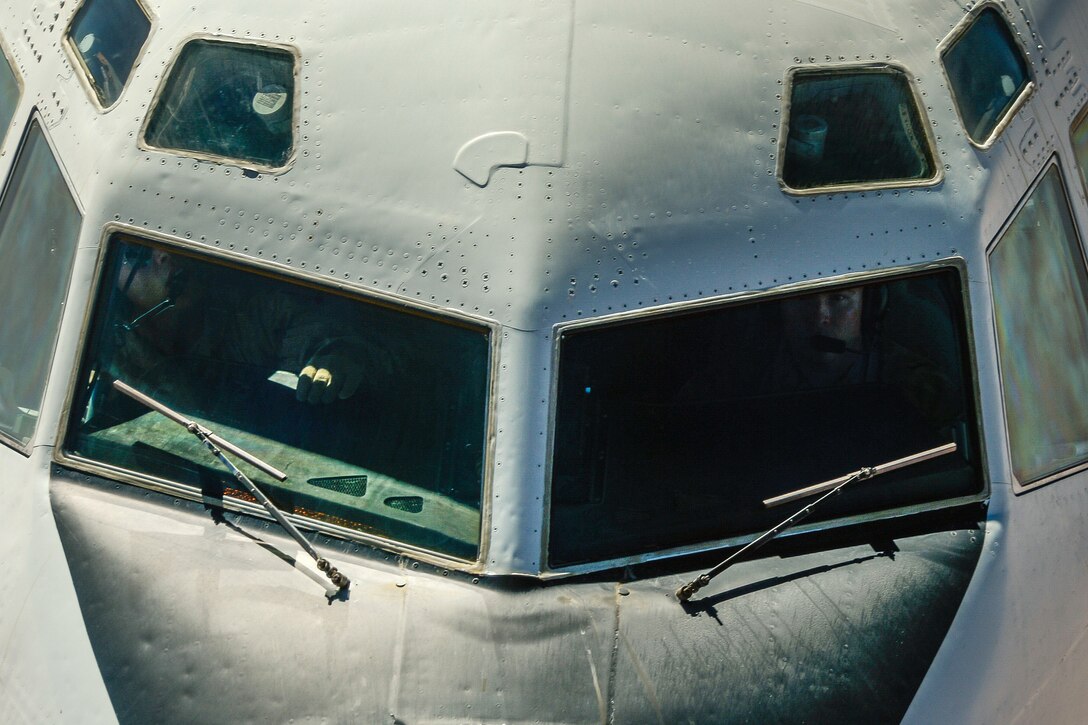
[588, 390]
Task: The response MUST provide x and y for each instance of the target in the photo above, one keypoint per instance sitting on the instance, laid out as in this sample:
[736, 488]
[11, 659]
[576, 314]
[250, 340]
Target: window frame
[1053, 163]
[855, 68]
[1081, 117]
[971, 393]
[36, 117]
[75, 58]
[293, 276]
[296, 105]
[965, 24]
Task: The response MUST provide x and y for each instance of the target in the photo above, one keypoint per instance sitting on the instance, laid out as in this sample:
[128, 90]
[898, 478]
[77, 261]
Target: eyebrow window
[229, 100]
[1040, 293]
[107, 36]
[854, 127]
[987, 73]
[671, 432]
[39, 228]
[376, 414]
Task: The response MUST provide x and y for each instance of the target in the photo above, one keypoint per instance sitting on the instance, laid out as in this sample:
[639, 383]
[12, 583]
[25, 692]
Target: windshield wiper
[831, 488]
[214, 444]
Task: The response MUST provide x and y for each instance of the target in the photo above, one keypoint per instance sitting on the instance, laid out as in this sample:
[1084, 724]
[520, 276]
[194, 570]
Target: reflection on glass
[987, 73]
[1040, 293]
[671, 431]
[376, 415]
[9, 93]
[854, 127]
[230, 100]
[1080, 145]
[39, 227]
[108, 35]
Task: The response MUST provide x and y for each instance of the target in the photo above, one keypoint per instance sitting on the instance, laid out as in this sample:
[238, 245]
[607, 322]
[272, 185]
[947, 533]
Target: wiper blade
[194, 427]
[877, 470]
[829, 489]
[214, 444]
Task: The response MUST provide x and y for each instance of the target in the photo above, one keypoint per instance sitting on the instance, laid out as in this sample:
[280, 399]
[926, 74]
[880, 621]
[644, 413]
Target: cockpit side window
[1040, 297]
[854, 127]
[1080, 145]
[988, 75]
[10, 91]
[671, 431]
[376, 414]
[39, 228]
[227, 100]
[106, 36]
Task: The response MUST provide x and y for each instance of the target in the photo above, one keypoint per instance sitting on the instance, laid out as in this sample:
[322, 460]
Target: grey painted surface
[650, 136]
[197, 622]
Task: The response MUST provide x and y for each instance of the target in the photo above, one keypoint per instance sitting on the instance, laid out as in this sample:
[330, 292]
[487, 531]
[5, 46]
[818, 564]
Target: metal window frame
[856, 69]
[965, 24]
[84, 73]
[296, 104]
[971, 392]
[292, 276]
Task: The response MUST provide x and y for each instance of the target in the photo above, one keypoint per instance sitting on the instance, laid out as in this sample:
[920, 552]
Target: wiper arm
[831, 488]
[214, 443]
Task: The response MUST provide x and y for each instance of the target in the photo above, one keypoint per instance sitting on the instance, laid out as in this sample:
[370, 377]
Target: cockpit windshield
[672, 430]
[377, 414]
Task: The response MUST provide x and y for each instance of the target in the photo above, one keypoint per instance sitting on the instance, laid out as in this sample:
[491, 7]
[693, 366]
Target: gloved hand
[329, 375]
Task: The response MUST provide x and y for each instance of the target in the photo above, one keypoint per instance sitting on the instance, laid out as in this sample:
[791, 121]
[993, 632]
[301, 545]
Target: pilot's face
[150, 281]
[835, 315]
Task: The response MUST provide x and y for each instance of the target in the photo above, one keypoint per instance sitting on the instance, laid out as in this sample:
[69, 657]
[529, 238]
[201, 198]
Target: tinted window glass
[1080, 145]
[987, 73]
[376, 415]
[108, 35]
[854, 127]
[9, 93]
[39, 227]
[230, 100]
[673, 431]
[1040, 291]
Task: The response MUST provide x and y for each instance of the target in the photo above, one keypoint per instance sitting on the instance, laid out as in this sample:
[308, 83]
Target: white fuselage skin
[633, 166]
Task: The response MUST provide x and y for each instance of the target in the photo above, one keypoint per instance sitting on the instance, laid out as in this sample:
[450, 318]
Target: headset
[137, 256]
[874, 307]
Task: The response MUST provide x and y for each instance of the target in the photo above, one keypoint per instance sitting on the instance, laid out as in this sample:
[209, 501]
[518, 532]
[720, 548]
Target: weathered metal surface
[196, 621]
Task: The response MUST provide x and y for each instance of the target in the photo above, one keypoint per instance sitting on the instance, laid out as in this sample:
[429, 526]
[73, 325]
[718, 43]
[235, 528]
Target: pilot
[853, 335]
[822, 341]
[165, 310]
[873, 334]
